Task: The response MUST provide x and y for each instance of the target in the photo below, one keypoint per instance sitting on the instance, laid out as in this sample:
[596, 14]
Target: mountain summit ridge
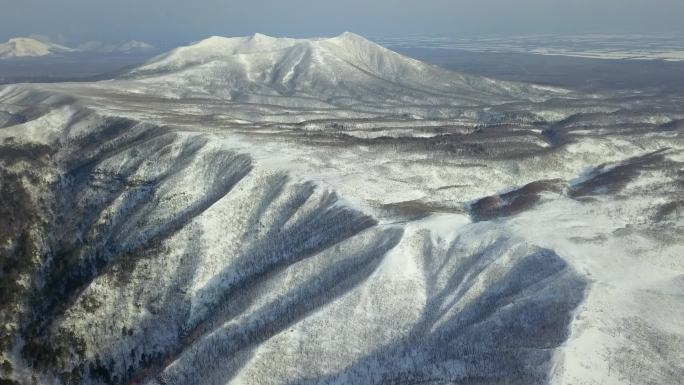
[30, 47]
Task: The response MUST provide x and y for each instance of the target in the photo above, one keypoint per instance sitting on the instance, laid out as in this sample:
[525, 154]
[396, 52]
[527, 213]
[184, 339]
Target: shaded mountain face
[277, 211]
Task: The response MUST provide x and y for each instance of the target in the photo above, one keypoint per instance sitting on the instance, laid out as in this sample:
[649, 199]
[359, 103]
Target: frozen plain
[279, 211]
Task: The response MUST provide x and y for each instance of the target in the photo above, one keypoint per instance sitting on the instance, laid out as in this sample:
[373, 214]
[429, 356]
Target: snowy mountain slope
[215, 255]
[208, 240]
[28, 47]
[342, 71]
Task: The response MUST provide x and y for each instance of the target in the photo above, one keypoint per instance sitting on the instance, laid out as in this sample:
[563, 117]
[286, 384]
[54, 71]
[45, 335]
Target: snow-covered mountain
[324, 211]
[29, 47]
[132, 46]
[340, 71]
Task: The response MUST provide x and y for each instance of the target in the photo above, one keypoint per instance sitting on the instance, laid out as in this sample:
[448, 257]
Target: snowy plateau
[260, 210]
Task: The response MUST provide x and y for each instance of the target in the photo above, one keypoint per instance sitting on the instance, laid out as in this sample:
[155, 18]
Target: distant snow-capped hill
[128, 47]
[341, 71]
[135, 46]
[29, 47]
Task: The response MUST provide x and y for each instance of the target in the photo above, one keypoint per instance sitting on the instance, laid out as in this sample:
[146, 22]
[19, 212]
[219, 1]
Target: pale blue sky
[173, 21]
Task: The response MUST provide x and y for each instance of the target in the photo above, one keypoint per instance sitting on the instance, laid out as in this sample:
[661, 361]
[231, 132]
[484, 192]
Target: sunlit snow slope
[28, 47]
[260, 210]
[342, 71]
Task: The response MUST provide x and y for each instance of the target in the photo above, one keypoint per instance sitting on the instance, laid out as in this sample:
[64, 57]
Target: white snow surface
[29, 47]
[341, 71]
[258, 151]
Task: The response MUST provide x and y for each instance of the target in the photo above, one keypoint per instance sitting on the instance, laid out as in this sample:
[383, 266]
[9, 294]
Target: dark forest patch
[513, 202]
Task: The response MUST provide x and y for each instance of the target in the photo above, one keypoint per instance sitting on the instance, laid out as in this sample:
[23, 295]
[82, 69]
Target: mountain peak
[19, 40]
[134, 46]
[359, 44]
[347, 68]
[351, 36]
[29, 47]
[261, 36]
[210, 40]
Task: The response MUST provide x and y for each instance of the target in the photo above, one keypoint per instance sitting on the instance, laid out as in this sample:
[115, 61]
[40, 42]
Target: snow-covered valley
[258, 210]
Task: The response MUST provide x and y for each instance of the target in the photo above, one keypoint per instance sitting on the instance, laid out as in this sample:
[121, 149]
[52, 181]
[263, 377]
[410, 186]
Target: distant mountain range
[23, 47]
[132, 46]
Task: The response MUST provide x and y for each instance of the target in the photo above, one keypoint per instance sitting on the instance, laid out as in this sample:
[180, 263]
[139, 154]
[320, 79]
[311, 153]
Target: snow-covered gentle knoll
[260, 210]
[29, 47]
